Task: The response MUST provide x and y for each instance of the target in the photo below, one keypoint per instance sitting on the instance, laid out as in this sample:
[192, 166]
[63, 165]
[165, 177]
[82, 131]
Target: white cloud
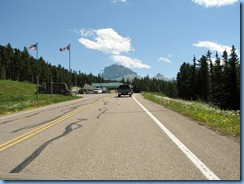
[215, 3]
[128, 62]
[106, 40]
[86, 32]
[213, 46]
[83, 32]
[166, 60]
[170, 55]
[119, 1]
[110, 42]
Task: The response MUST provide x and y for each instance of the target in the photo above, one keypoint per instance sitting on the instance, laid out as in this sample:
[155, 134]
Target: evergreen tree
[9, 61]
[3, 62]
[203, 79]
[192, 78]
[232, 78]
[16, 64]
[184, 82]
[217, 83]
[136, 83]
[26, 73]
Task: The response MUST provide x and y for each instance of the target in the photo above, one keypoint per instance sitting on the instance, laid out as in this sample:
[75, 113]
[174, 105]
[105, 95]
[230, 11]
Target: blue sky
[147, 36]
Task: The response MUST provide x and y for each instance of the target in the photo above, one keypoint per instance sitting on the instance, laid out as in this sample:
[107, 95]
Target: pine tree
[25, 66]
[184, 82]
[217, 83]
[233, 84]
[136, 83]
[16, 64]
[203, 79]
[3, 62]
[193, 79]
[9, 61]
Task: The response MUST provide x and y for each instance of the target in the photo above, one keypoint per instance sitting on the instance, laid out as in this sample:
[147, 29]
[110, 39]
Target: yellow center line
[27, 135]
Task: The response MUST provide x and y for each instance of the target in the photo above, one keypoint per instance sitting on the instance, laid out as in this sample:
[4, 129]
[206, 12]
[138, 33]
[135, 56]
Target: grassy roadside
[224, 122]
[16, 96]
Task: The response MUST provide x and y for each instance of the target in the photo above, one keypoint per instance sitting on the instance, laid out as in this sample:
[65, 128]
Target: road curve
[103, 137]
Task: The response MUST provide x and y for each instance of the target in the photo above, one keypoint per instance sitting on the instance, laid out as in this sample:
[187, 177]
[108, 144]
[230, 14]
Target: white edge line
[196, 161]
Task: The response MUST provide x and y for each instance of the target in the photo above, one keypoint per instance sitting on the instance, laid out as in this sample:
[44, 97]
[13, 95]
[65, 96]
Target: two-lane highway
[103, 137]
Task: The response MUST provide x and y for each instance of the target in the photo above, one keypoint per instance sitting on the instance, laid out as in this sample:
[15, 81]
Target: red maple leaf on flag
[65, 48]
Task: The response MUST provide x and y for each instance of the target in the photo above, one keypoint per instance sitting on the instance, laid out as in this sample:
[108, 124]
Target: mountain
[117, 72]
[161, 77]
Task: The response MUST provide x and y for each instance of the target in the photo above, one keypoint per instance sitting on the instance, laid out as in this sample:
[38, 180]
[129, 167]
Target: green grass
[16, 96]
[224, 122]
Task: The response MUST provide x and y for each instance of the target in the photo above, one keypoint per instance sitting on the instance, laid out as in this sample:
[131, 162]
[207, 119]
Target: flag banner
[32, 47]
[65, 48]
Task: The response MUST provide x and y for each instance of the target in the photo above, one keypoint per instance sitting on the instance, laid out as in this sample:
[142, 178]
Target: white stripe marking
[198, 163]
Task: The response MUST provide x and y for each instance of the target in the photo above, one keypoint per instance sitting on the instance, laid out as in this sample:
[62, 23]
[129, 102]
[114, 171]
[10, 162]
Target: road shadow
[37, 152]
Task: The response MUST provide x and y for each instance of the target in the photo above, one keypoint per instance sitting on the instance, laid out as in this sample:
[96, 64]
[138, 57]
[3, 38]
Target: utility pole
[51, 79]
[101, 79]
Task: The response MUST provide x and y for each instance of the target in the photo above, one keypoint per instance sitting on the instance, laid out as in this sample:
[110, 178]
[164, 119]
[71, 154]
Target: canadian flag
[65, 48]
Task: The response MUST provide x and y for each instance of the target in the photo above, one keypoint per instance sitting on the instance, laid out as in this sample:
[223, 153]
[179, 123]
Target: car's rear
[124, 90]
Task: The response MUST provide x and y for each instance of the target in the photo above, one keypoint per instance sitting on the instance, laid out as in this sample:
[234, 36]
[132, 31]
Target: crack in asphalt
[37, 152]
[106, 102]
[103, 111]
[6, 122]
[28, 116]
[33, 126]
[32, 115]
[71, 108]
[42, 111]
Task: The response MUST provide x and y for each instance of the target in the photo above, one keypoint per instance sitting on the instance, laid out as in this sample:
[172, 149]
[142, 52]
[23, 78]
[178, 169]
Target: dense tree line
[216, 82]
[147, 84]
[21, 66]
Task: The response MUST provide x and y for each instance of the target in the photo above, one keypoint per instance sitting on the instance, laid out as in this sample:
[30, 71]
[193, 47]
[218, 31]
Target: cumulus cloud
[128, 62]
[215, 3]
[106, 40]
[110, 42]
[166, 60]
[213, 46]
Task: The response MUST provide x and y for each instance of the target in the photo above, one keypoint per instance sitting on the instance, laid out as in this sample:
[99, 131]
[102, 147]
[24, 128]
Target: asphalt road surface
[103, 137]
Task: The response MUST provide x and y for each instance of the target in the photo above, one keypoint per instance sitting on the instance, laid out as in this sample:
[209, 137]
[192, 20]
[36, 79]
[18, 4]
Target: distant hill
[161, 77]
[117, 72]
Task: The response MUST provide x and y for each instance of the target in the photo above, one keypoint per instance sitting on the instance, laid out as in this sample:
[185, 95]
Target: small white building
[88, 89]
[107, 87]
[75, 89]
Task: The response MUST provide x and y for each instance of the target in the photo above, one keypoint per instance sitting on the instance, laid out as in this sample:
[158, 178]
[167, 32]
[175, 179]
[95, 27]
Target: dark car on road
[125, 90]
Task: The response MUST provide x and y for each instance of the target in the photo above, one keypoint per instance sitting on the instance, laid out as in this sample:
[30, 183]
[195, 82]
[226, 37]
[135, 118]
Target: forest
[216, 82]
[21, 66]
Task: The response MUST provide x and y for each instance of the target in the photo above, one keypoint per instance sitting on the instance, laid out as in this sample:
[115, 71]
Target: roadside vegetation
[16, 96]
[222, 121]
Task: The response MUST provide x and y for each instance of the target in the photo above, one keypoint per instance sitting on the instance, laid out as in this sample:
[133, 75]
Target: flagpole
[69, 57]
[36, 51]
[37, 75]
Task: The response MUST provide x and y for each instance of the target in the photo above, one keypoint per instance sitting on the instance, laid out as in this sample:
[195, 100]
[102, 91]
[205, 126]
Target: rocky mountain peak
[117, 72]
